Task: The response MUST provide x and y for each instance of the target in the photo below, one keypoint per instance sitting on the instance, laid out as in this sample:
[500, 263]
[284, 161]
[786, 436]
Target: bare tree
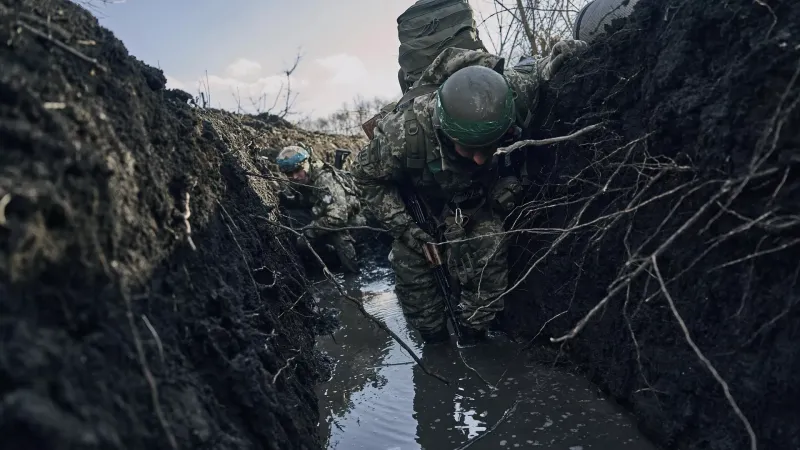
[285, 95]
[348, 118]
[281, 105]
[528, 27]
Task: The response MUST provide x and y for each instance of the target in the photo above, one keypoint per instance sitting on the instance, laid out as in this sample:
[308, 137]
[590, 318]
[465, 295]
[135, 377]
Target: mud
[145, 302]
[696, 169]
[378, 398]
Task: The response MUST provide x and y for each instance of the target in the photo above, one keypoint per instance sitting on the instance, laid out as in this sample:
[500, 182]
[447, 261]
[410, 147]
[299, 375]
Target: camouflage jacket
[333, 200]
[384, 162]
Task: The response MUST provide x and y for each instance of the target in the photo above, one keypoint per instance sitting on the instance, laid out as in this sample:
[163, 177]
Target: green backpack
[428, 27]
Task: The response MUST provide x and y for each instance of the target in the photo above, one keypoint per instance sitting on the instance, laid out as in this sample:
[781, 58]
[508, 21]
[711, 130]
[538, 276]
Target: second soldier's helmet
[475, 107]
[291, 158]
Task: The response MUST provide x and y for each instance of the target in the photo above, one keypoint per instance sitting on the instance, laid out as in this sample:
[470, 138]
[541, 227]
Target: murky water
[379, 399]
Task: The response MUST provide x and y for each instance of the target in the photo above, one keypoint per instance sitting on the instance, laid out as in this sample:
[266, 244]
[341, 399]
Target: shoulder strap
[415, 92]
[414, 141]
[524, 114]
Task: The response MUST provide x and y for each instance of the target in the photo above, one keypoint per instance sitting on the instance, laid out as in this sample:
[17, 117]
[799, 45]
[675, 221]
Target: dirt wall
[144, 300]
[684, 207]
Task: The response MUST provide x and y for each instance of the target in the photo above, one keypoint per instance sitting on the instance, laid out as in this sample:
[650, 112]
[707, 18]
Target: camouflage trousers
[478, 260]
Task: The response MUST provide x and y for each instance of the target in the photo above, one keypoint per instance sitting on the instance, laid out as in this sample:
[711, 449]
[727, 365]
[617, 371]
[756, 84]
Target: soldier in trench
[331, 199]
[440, 140]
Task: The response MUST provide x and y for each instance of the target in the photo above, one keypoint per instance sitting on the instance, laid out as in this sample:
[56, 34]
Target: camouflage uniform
[445, 183]
[334, 203]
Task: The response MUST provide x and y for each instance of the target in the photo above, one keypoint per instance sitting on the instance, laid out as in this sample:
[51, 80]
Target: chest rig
[446, 192]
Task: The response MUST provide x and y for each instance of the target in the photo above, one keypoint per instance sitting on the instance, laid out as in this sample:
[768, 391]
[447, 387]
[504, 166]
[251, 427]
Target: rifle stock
[418, 213]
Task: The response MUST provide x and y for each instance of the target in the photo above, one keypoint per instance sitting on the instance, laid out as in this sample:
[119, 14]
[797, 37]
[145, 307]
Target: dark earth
[122, 327]
[115, 332]
[698, 163]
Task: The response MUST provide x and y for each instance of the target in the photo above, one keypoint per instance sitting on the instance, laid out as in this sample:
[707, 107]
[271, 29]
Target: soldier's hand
[301, 242]
[562, 50]
[285, 197]
[417, 240]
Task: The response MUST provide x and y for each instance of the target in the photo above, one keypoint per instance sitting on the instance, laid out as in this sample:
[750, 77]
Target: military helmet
[291, 158]
[475, 106]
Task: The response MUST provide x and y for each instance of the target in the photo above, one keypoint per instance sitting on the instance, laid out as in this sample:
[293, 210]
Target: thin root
[703, 359]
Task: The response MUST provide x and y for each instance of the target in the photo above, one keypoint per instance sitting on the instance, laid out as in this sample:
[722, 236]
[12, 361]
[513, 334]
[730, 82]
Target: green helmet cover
[475, 106]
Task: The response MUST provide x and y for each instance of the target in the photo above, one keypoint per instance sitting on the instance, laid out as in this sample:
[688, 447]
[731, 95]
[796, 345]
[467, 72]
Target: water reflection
[377, 400]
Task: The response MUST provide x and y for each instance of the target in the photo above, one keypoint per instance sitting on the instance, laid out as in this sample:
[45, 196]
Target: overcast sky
[348, 47]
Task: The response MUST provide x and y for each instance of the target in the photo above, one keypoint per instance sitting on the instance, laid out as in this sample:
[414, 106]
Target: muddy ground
[690, 194]
[145, 302]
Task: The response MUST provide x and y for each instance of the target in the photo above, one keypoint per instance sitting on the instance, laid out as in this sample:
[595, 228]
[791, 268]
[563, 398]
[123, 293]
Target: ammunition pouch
[469, 200]
[506, 194]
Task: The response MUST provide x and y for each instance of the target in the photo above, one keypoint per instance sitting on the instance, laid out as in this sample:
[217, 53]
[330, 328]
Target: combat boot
[347, 257]
[435, 336]
[471, 336]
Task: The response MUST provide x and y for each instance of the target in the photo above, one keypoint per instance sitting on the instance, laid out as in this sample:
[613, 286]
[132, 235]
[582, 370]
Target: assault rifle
[419, 214]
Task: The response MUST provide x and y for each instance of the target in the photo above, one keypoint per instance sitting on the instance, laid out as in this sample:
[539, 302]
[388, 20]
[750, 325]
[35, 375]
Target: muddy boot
[347, 256]
[471, 336]
[435, 337]
[345, 251]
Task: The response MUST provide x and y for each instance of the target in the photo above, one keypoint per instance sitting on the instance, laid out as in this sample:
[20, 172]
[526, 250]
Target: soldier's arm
[376, 170]
[526, 80]
[331, 204]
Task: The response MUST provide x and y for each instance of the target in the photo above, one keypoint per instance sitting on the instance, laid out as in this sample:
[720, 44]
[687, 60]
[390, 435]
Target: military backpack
[429, 26]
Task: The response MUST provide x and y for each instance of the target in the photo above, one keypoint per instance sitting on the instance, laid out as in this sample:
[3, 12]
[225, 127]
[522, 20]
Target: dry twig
[148, 375]
[156, 337]
[241, 250]
[61, 45]
[358, 304]
[285, 366]
[548, 141]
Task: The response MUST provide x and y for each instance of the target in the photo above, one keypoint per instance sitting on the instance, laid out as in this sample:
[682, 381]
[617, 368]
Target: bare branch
[703, 359]
[548, 141]
[358, 304]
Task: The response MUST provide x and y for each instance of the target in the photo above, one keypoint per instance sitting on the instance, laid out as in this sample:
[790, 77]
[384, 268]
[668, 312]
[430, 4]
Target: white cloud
[174, 83]
[345, 69]
[243, 67]
[235, 94]
[264, 85]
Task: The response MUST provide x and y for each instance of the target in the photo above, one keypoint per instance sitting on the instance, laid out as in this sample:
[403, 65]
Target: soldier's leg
[418, 293]
[481, 266]
[345, 249]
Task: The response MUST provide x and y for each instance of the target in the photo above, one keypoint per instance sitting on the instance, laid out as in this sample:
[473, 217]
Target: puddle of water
[379, 399]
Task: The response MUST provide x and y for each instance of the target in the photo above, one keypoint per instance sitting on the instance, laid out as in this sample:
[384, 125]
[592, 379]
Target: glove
[301, 243]
[561, 51]
[415, 239]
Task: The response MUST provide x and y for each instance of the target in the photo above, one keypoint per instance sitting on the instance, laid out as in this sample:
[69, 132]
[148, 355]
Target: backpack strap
[524, 114]
[416, 91]
[414, 141]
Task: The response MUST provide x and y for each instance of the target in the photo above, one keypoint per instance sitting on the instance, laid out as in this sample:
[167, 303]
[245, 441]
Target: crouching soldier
[440, 142]
[331, 199]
